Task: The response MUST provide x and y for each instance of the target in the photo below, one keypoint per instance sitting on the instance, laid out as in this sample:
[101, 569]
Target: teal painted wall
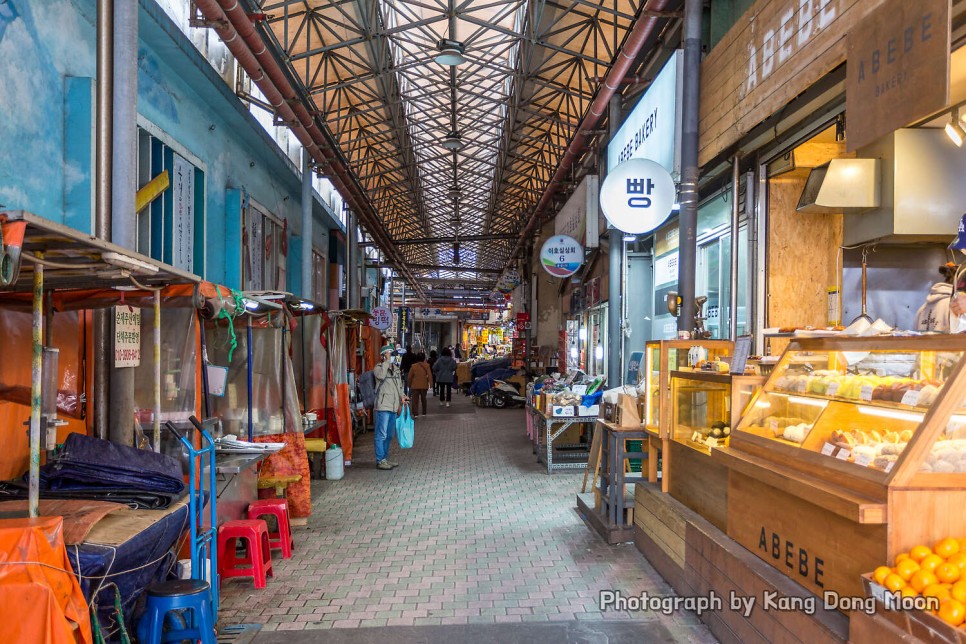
[46, 127]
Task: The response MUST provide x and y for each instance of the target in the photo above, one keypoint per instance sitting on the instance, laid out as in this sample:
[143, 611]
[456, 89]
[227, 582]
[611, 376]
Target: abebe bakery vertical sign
[898, 68]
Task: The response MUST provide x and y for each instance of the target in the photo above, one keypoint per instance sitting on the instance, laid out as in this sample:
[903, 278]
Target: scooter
[503, 395]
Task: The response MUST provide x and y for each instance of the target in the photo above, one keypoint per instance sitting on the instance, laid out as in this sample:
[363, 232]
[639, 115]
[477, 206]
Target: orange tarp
[41, 598]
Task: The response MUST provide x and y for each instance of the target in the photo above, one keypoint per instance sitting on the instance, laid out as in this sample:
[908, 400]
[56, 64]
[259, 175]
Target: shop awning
[75, 260]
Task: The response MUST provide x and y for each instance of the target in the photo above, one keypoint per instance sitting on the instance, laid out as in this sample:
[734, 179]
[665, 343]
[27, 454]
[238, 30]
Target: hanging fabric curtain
[342, 433]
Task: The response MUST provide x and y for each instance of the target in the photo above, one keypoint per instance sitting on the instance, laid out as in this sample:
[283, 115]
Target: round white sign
[561, 255]
[380, 318]
[637, 196]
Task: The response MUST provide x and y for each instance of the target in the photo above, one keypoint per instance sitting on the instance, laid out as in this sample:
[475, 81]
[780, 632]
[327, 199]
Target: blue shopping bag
[405, 428]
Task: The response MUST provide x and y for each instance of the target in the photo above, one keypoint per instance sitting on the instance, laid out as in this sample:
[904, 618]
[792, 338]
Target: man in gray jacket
[389, 401]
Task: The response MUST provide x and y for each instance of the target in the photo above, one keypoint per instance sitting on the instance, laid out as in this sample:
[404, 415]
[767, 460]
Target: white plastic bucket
[334, 464]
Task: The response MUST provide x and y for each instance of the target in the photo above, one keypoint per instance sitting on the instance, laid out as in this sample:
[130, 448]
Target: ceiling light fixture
[450, 52]
[629, 237]
[453, 192]
[456, 253]
[954, 129]
[453, 141]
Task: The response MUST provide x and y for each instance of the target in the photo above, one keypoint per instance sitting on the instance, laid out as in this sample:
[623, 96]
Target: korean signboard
[578, 217]
[637, 196]
[653, 128]
[561, 255]
[380, 318]
[127, 336]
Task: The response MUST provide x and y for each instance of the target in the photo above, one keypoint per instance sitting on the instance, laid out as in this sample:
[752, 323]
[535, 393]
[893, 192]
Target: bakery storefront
[851, 451]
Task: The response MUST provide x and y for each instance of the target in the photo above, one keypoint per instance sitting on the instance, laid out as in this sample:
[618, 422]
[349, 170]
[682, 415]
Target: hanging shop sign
[523, 321]
[127, 336]
[403, 316]
[508, 281]
[653, 128]
[561, 255]
[433, 314]
[578, 217]
[637, 196]
[380, 318]
[898, 68]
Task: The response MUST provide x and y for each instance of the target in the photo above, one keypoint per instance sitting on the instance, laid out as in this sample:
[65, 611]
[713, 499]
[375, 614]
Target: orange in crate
[952, 611]
[948, 573]
[931, 562]
[907, 568]
[946, 548]
[918, 553]
[921, 579]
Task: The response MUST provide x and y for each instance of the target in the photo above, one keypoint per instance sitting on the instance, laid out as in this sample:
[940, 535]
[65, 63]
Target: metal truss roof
[368, 68]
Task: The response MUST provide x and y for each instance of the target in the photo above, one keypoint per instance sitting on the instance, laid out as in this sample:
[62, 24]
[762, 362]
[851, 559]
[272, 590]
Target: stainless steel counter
[237, 481]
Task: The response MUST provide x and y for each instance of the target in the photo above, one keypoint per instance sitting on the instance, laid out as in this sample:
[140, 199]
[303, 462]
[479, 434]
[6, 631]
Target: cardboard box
[588, 411]
[562, 411]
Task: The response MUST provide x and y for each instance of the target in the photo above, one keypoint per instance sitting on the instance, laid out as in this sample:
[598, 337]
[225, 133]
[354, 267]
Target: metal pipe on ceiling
[233, 26]
[642, 30]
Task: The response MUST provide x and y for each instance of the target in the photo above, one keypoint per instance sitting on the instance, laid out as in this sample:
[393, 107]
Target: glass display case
[661, 357]
[858, 441]
[706, 406]
[863, 408]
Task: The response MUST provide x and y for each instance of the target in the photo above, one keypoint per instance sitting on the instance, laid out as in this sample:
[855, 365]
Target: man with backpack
[388, 403]
[419, 380]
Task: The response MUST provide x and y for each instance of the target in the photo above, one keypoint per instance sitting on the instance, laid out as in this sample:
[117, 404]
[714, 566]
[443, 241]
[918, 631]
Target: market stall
[255, 394]
[60, 277]
[560, 426]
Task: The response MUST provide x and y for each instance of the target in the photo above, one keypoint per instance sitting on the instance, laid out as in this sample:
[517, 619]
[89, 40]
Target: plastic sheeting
[41, 599]
[275, 405]
[309, 363]
[178, 364]
[16, 343]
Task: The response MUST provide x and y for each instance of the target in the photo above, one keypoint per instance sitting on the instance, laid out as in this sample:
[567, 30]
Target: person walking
[444, 371]
[433, 357]
[389, 401]
[419, 379]
[407, 361]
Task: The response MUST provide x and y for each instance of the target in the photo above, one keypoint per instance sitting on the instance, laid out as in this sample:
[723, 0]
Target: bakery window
[861, 407]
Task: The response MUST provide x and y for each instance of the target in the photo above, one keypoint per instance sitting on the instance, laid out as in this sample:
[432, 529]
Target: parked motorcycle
[502, 395]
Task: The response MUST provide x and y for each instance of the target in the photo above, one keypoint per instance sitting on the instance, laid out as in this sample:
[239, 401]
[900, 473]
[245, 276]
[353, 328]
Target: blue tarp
[91, 468]
[132, 566]
[483, 384]
[485, 367]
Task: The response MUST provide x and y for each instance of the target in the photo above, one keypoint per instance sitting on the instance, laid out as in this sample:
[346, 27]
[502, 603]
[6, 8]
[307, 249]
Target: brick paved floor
[468, 530]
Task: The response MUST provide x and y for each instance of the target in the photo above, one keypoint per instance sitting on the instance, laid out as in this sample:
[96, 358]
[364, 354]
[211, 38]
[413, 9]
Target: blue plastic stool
[190, 595]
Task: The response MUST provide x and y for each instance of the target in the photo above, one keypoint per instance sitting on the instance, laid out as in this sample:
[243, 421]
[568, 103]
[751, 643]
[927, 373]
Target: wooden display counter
[834, 470]
[704, 406]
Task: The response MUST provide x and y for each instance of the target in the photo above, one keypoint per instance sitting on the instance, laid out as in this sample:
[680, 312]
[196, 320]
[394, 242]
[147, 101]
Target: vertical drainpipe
[103, 344]
[307, 291]
[124, 187]
[733, 294]
[352, 276]
[689, 162]
[615, 338]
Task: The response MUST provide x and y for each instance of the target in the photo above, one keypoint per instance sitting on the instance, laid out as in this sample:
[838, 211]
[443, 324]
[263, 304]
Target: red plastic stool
[258, 552]
[277, 508]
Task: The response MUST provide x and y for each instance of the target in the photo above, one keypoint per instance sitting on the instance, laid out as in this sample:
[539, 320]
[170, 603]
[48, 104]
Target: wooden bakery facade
[824, 126]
